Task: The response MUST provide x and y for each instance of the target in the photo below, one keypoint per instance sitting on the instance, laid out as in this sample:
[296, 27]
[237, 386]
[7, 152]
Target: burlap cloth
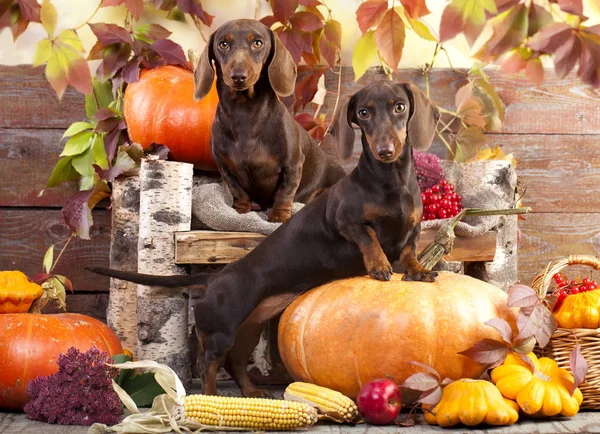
[488, 185]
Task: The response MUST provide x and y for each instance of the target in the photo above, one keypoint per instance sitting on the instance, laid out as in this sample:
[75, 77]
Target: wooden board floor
[584, 422]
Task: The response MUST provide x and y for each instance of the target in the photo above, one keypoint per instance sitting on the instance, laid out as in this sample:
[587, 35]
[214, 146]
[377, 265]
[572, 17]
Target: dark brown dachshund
[369, 219]
[263, 154]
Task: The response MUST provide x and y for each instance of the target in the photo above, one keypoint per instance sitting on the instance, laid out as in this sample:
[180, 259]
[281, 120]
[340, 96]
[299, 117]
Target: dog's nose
[385, 151]
[239, 77]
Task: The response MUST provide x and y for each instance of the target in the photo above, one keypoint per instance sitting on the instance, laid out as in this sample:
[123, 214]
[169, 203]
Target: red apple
[379, 401]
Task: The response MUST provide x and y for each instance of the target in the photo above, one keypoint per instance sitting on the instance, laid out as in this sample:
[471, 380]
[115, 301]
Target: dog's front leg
[241, 201]
[365, 237]
[408, 259]
[284, 196]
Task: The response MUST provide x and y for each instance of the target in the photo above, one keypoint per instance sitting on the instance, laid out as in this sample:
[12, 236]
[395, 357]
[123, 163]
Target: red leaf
[111, 34]
[516, 60]
[111, 140]
[307, 84]
[41, 278]
[333, 33]
[309, 3]
[574, 7]
[589, 65]
[501, 327]
[79, 76]
[369, 14]
[283, 9]
[310, 59]
[527, 360]
[421, 381]
[306, 120]
[268, 21]
[135, 7]
[131, 71]
[504, 5]
[486, 351]
[521, 296]
[431, 397]
[415, 8]
[509, 30]
[539, 18]
[567, 55]
[536, 321]
[451, 23]
[194, 8]
[114, 58]
[389, 37]
[550, 38]
[306, 21]
[107, 3]
[170, 51]
[579, 367]
[427, 368]
[65, 282]
[30, 10]
[535, 71]
[77, 213]
[152, 32]
[286, 39]
[328, 51]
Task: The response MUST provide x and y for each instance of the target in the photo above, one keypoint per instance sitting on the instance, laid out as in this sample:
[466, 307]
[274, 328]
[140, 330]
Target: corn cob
[329, 402]
[249, 413]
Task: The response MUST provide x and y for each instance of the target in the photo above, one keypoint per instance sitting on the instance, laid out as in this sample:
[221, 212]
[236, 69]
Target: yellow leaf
[48, 259]
[56, 71]
[421, 29]
[42, 52]
[495, 153]
[49, 17]
[364, 54]
[71, 38]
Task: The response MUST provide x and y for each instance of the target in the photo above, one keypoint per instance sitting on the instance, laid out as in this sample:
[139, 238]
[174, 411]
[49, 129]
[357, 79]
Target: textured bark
[121, 312]
[162, 314]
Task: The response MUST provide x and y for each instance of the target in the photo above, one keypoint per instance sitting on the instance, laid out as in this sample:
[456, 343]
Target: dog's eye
[223, 45]
[257, 44]
[399, 107]
[363, 113]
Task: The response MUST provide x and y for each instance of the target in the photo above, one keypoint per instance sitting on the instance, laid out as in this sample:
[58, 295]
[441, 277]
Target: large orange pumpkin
[31, 343]
[348, 332]
[160, 108]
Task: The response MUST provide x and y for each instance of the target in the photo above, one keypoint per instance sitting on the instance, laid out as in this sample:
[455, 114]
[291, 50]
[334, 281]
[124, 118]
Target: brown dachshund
[263, 154]
[365, 222]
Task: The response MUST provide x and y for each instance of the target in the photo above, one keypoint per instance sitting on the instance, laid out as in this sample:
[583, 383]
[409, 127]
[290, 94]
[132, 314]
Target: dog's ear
[204, 74]
[282, 69]
[424, 117]
[344, 130]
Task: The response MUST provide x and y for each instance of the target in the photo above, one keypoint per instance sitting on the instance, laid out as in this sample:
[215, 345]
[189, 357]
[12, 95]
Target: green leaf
[48, 259]
[77, 144]
[83, 162]
[70, 38]
[86, 182]
[63, 172]
[100, 156]
[493, 107]
[100, 97]
[121, 358]
[43, 50]
[77, 127]
[364, 54]
[142, 389]
[49, 17]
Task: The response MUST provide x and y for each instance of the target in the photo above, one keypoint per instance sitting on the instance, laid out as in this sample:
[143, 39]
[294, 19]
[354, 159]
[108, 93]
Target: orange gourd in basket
[580, 311]
[160, 108]
[346, 333]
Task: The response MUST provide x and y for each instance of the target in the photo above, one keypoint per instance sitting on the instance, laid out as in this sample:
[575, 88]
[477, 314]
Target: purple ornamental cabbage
[80, 393]
[428, 169]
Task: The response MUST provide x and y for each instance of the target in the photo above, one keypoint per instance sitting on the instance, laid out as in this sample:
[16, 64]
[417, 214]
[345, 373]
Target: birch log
[162, 314]
[121, 312]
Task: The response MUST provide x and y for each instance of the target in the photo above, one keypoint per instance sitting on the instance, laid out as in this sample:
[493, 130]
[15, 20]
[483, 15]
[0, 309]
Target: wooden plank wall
[553, 130]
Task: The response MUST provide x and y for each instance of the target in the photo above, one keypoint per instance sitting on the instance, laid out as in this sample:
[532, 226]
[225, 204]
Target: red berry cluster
[566, 288]
[440, 201]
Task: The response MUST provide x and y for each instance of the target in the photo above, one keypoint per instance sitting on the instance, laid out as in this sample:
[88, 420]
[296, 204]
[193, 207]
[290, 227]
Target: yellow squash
[472, 402]
[580, 311]
[543, 393]
[17, 292]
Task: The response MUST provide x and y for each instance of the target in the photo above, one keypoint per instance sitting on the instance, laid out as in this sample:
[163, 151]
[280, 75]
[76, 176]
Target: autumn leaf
[415, 8]
[316, 127]
[309, 3]
[307, 84]
[468, 108]
[364, 54]
[170, 52]
[539, 18]
[521, 296]
[389, 37]
[306, 21]
[492, 105]
[574, 7]
[510, 29]
[134, 6]
[77, 211]
[467, 16]
[495, 153]
[516, 60]
[194, 8]
[567, 55]
[468, 142]
[18, 14]
[589, 64]
[421, 29]
[535, 70]
[330, 41]
[536, 321]
[62, 172]
[369, 13]
[123, 164]
[49, 17]
[283, 9]
[48, 259]
[579, 367]
[550, 38]
[502, 327]
[421, 381]
[108, 34]
[487, 351]
[151, 32]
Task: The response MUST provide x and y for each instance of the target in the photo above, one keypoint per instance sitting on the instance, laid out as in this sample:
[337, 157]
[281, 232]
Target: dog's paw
[278, 216]
[380, 270]
[242, 207]
[420, 275]
[258, 393]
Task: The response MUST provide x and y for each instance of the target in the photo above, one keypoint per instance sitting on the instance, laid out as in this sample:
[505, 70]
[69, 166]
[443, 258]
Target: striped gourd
[329, 402]
[255, 414]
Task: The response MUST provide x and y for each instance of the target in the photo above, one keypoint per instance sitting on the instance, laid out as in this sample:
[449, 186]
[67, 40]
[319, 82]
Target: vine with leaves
[98, 149]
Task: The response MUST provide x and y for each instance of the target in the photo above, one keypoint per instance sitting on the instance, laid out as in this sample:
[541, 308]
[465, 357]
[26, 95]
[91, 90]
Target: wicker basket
[563, 340]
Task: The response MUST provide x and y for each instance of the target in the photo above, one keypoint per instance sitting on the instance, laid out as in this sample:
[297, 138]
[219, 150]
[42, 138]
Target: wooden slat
[560, 172]
[549, 235]
[25, 235]
[556, 107]
[29, 156]
[213, 247]
[91, 304]
[28, 101]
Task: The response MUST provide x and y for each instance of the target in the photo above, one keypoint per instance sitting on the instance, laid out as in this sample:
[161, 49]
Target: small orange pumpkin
[17, 292]
[160, 108]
